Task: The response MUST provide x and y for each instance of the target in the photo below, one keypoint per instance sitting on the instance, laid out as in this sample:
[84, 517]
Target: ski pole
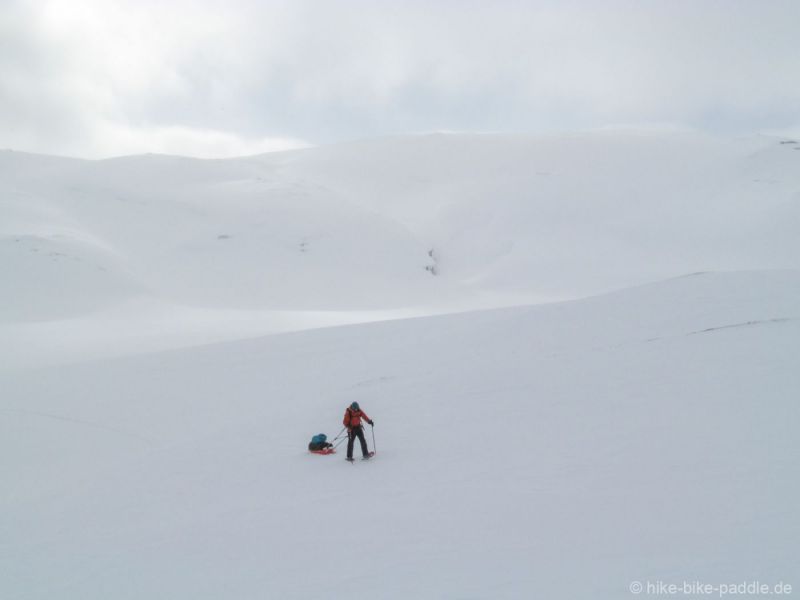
[374, 447]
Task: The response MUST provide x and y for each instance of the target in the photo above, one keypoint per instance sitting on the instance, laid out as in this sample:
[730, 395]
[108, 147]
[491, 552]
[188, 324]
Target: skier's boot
[349, 459]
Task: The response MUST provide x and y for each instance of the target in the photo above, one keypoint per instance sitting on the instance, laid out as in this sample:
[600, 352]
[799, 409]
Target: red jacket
[352, 418]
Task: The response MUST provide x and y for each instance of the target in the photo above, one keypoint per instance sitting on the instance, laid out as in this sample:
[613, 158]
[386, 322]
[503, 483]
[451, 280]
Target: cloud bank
[211, 78]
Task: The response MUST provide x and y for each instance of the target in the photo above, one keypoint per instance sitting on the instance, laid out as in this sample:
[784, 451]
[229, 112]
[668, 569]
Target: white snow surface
[524, 449]
[164, 252]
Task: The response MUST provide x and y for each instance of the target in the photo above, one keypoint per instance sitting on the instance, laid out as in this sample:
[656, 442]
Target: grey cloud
[327, 71]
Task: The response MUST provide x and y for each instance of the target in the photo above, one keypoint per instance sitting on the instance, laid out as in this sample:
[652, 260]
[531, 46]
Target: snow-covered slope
[150, 245]
[555, 451]
[566, 216]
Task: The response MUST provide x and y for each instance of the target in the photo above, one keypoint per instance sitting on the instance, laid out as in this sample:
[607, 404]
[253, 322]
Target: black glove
[371, 422]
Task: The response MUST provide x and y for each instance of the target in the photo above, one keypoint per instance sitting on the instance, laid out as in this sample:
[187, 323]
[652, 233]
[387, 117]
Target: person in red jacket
[352, 420]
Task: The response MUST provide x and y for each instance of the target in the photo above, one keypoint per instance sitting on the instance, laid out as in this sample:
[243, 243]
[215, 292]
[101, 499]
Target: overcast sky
[96, 78]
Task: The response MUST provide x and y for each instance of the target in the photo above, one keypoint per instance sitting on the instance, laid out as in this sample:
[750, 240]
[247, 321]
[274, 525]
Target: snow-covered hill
[555, 451]
[525, 449]
[167, 251]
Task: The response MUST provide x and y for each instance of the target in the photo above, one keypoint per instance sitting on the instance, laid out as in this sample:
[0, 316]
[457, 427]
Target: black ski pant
[352, 434]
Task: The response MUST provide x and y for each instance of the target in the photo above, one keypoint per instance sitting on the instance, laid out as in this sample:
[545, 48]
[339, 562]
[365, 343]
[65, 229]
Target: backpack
[320, 438]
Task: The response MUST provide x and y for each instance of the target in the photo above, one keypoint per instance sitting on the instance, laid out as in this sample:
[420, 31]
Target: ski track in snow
[33, 413]
[747, 324]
